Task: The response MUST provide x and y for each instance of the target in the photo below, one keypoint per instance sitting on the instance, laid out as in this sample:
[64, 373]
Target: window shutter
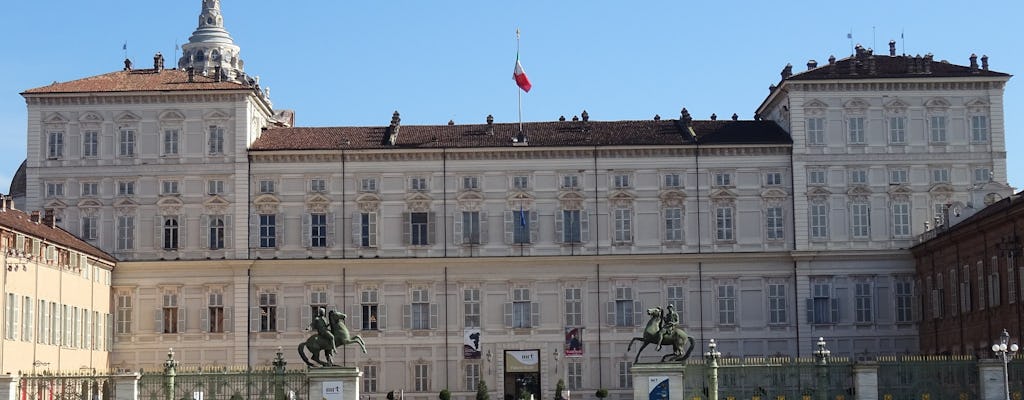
[182, 228]
[508, 315]
[484, 237]
[638, 313]
[204, 321]
[406, 316]
[535, 314]
[254, 231]
[357, 231]
[584, 226]
[306, 230]
[559, 224]
[158, 320]
[611, 313]
[406, 228]
[810, 311]
[330, 229]
[181, 319]
[227, 320]
[158, 237]
[282, 319]
[307, 315]
[534, 226]
[14, 318]
[509, 228]
[254, 319]
[228, 228]
[457, 228]
[382, 317]
[433, 316]
[279, 231]
[835, 310]
[204, 231]
[373, 229]
[355, 317]
[431, 228]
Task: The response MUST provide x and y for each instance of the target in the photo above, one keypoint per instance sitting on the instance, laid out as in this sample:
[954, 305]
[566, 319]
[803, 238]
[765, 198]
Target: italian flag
[520, 76]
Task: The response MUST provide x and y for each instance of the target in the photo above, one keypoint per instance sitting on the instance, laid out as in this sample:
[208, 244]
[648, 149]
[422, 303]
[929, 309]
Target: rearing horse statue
[676, 337]
[341, 337]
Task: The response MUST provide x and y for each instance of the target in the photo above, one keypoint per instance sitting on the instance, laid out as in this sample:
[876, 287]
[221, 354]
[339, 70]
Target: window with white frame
[773, 178]
[366, 229]
[123, 313]
[982, 175]
[621, 181]
[90, 144]
[215, 312]
[169, 188]
[965, 289]
[573, 375]
[822, 307]
[267, 186]
[214, 187]
[171, 229]
[864, 305]
[318, 230]
[471, 307]
[816, 131]
[573, 307]
[673, 224]
[170, 313]
[571, 226]
[570, 182]
[368, 185]
[901, 219]
[468, 228]
[126, 142]
[860, 220]
[625, 375]
[774, 224]
[675, 297]
[979, 128]
[370, 378]
[855, 130]
[777, 303]
[171, 142]
[54, 189]
[419, 228]
[125, 188]
[897, 130]
[623, 225]
[672, 181]
[520, 182]
[723, 179]
[521, 223]
[90, 227]
[268, 312]
[898, 176]
[216, 232]
[55, 145]
[125, 232]
[470, 183]
[318, 185]
[937, 129]
[858, 177]
[268, 230]
[940, 175]
[726, 303]
[421, 377]
[215, 144]
[370, 309]
[472, 376]
[420, 313]
[317, 299]
[523, 309]
[817, 177]
[418, 184]
[26, 318]
[624, 307]
[724, 223]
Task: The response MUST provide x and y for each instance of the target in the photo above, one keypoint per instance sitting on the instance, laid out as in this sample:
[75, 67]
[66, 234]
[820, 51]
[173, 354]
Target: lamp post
[821, 355]
[711, 359]
[1005, 352]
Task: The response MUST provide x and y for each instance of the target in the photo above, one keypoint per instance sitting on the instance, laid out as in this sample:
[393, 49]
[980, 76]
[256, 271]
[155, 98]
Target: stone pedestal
[990, 380]
[649, 381]
[334, 383]
[865, 380]
[8, 386]
[126, 386]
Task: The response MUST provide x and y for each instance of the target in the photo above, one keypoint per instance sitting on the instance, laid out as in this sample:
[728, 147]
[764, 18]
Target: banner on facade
[657, 388]
[471, 344]
[522, 360]
[573, 342]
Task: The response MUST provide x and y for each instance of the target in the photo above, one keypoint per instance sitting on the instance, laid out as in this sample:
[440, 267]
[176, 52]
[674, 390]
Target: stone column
[990, 380]
[9, 386]
[334, 383]
[865, 380]
[648, 376]
[126, 387]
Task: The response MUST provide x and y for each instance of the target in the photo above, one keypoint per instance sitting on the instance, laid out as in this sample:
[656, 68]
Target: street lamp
[1006, 353]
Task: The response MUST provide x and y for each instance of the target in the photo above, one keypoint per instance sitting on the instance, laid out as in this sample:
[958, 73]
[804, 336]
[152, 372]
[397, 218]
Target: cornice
[90, 99]
[896, 85]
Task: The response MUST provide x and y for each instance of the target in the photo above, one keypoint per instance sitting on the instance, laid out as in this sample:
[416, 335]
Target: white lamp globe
[995, 348]
[1014, 347]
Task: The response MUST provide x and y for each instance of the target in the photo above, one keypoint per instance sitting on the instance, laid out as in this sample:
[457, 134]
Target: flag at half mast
[520, 76]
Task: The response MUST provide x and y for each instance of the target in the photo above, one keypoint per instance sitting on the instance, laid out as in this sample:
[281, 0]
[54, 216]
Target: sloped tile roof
[141, 80]
[19, 221]
[890, 67]
[539, 134]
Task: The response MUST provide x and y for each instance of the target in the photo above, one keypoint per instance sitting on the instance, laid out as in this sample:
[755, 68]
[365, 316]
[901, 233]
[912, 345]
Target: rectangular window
[625, 375]
[573, 307]
[816, 131]
[268, 312]
[773, 178]
[470, 183]
[897, 130]
[216, 142]
[520, 182]
[125, 188]
[55, 145]
[90, 189]
[171, 142]
[471, 305]
[571, 226]
[214, 187]
[726, 304]
[979, 128]
[418, 184]
[169, 188]
[370, 310]
[125, 232]
[994, 296]
[123, 321]
[777, 303]
[573, 375]
[26, 318]
[215, 312]
[419, 224]
[54, 190]
[620, 181]
[774, 224]
[472, 376]
[623, 225]
[266, 186]
[570, 182]
[898, 176]
[370, 379]
[367, 229]
[90, 144]
[863, 303]
[860, 220]
[673, 224]
[422, 377]
[170, 313]
[216, 232]
[672, 181]
[982, 175]
[90, 227]
[965, 289]
[674, 297]
[522, 308]
[856, 130]
[858, 177]
[723, 223]
[940, 175]
[937, 129]
[317, 299]
[170, 233]
[817, 177]
[823, 309]
[723, 179]
[318, 230]
[126, 143]
[470, 227]
[624, 308]
[420, 310]
[368, 185]
[318, 185]
[901, 219]
[268, 230]
[521, 221]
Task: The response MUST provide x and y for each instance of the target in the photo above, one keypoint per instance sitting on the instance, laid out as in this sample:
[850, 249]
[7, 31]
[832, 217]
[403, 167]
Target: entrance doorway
[522, 374]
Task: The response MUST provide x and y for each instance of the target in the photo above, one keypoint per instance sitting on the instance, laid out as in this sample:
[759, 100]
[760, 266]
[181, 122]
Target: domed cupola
[210, 50]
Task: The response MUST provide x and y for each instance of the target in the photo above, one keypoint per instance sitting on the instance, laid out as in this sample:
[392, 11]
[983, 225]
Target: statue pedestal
[334, 383]
[658, 381]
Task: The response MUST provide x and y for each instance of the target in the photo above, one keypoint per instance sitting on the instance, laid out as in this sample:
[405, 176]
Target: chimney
[158, 62]
[657, 117]
[735, 117]
[48, 217]
[832, 64]
[585, 116]
[927, 63]
[787, 71]
[451, 122]
[984, 62]
[812, 64]
[974, 63]
[561, 118]
[396, 125]
[892, 48]
[34, 216]
[191, 74]
[127, 64]
[714, 117]
[872, 67]
[3, 203]
[490, 124]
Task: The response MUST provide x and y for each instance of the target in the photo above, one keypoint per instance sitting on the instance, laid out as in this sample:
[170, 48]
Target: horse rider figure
[323, 330]
[668, 324]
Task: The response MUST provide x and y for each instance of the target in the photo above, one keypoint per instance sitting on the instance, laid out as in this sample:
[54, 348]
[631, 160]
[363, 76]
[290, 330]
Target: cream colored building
[231, 225]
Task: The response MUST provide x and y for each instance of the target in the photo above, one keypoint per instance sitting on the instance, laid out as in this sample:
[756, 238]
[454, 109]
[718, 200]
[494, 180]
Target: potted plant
[601, 393]
[559, 389]
[445, 395]
[481, 391]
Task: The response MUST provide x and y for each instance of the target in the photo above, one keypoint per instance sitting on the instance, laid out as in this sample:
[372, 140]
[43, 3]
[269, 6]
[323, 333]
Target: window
[216, 142]
[366, 229]
[370, 310]
[570, 182]
[523, 310]
[268, 312]
[170, 233]
[55, 145]
[467, 228]
[673, 224]
[620, 181]
[861, 220]
[855, 126]
[726, 304]
[623, 225]
[216, 232]
[470, 183]
[965, 289]
[674, 297]
[90, 144]
[318, 230]
[979, 128]
[901, 219]
[520, 182]
[625, 374]
[940, 175]
[169, 188]
[215, 313]
[522, 223]
[123, 323]
[897, 130]
[671, 181]
[573, 307]
[54, 189]
[44, 320]
[214, 187]
[125, 188]
[937, 128]
[419, 228]
[774, 224]
[418, 184]
[816, 131]
[11, 333]
[723, 179]
[773, 178]
[126, 142]
[317, 299]
[982, 175]
[822, 308]
[56, 321]
[370, 379]
[858, 177]
[125, 232]
[90, 189]
[777, 303]
[573, 375]
[898, 176]
[318, 185]
[863, 305]
[169, 314]
[625, 307]
[422, 377]
[420, 311]
[268, 230]
[471, 305]
[266, 186]
[90, 227]
[368, 185]
[723, 224]
[817, 177]
[472, 376]
[171, 142]
[994, 298]
[27, 318]
[571, 226]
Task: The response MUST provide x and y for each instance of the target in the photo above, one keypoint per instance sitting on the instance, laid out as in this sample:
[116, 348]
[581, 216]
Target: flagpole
[519, 91]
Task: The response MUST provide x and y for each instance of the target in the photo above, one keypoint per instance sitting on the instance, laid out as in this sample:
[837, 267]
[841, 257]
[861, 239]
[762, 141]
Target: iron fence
[224, 384]
[928, 377]
[70, 386]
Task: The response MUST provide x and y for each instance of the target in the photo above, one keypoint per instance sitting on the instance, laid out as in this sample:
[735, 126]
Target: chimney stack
[735, 117]
[928, 63]
[158, 62]
[812, 64]
[974, 63]
[396, 125]
[490, 124]
[48, 217]
[984, 62]
[787, 71]
[586, 117]
[714, 117]
[34, 216]
[3, 203]
[892, 48]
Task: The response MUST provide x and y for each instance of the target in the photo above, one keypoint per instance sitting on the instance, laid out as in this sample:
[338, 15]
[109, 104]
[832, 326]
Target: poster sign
[522, 360]
[657, 388]
[573, 342]
[471, 344]
[332, 390]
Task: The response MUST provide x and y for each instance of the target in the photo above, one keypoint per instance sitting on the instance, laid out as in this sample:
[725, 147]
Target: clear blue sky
[355, 62]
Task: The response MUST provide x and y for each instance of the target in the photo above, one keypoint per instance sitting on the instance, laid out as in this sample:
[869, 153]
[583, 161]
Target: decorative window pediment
[859, 193]
[571, 200]
[673, 198]
[818, 195]
[774, 193]
[172, 115]
[897, 106]
[941, 192]
[621, 198]
[318, 203]
[815, 103]
[55, 119]
[900, 192]
[55, 204]
[857, 106]
[90, 117]
[128, 117]
[169, 205]
[125, 205]
[216, 115]
[977, 106]
[470, 200]
[89, 204]
[216, 204]
[368, 202]
[266, 204]
[418, 202]
[937, 104]
[815, 108]
[722, 194]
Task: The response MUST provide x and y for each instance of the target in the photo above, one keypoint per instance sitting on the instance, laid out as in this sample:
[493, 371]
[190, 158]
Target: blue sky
[354, 63]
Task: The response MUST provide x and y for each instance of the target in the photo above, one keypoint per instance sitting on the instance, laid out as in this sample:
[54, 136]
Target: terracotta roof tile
[19, 221]
[137, 80]
[890, 67]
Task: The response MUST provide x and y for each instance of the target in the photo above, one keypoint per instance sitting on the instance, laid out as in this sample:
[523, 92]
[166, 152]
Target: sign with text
[522, 360]
[657, 388]
[332, 390]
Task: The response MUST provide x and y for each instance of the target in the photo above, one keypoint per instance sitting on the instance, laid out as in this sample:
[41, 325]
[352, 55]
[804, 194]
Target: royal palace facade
[458, 250]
